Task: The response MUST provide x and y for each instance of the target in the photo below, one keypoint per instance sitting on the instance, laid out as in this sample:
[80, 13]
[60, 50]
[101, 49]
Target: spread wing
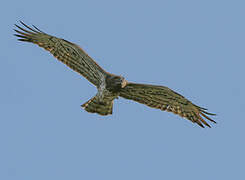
[163, 98]
[68, 53]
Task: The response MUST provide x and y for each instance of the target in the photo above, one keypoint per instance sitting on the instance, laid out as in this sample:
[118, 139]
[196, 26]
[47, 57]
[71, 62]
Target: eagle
[111, 86]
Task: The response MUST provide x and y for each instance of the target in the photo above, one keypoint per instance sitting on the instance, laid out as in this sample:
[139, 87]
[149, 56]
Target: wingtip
[37, 28]
[208, 113]
[208, 125]
[201, 125]
[207, 117]
[21, 22]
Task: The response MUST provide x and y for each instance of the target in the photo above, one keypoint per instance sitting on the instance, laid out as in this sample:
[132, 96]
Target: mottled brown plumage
[111, 86]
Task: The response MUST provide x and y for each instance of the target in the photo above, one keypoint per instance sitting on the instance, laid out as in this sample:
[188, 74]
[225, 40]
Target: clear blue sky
[194, 47]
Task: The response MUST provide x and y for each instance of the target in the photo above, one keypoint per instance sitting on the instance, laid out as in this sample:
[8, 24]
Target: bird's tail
[95, 106]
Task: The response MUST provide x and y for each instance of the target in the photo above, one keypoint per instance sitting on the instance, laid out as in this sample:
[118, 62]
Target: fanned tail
[95, 106]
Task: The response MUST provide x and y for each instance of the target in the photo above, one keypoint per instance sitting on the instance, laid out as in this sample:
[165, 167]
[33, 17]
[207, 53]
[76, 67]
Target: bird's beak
[124, 83]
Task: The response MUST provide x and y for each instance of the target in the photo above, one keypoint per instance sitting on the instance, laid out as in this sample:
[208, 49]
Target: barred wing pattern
[163, 98]
[68, 53]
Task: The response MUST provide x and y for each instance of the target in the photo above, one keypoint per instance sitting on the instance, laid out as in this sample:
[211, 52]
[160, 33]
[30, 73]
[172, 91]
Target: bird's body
[108, 90]
[112, 86]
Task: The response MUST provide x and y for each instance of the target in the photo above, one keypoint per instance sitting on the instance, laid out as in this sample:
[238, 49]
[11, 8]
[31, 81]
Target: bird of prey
[112, 86]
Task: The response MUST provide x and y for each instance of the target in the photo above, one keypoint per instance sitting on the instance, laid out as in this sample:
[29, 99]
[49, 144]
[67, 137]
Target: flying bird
[111, 86]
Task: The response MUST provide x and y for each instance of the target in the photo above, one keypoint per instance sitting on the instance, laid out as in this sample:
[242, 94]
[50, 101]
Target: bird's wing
[163, 98]
[68, 53]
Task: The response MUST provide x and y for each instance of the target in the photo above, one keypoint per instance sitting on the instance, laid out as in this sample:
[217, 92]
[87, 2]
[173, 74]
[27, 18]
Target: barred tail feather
[95, 106]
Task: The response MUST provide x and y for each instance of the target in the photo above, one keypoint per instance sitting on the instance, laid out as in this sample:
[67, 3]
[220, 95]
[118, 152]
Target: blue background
[194, 47]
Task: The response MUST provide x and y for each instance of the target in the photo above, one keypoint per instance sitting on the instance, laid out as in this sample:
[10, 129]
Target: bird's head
[115, 83]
